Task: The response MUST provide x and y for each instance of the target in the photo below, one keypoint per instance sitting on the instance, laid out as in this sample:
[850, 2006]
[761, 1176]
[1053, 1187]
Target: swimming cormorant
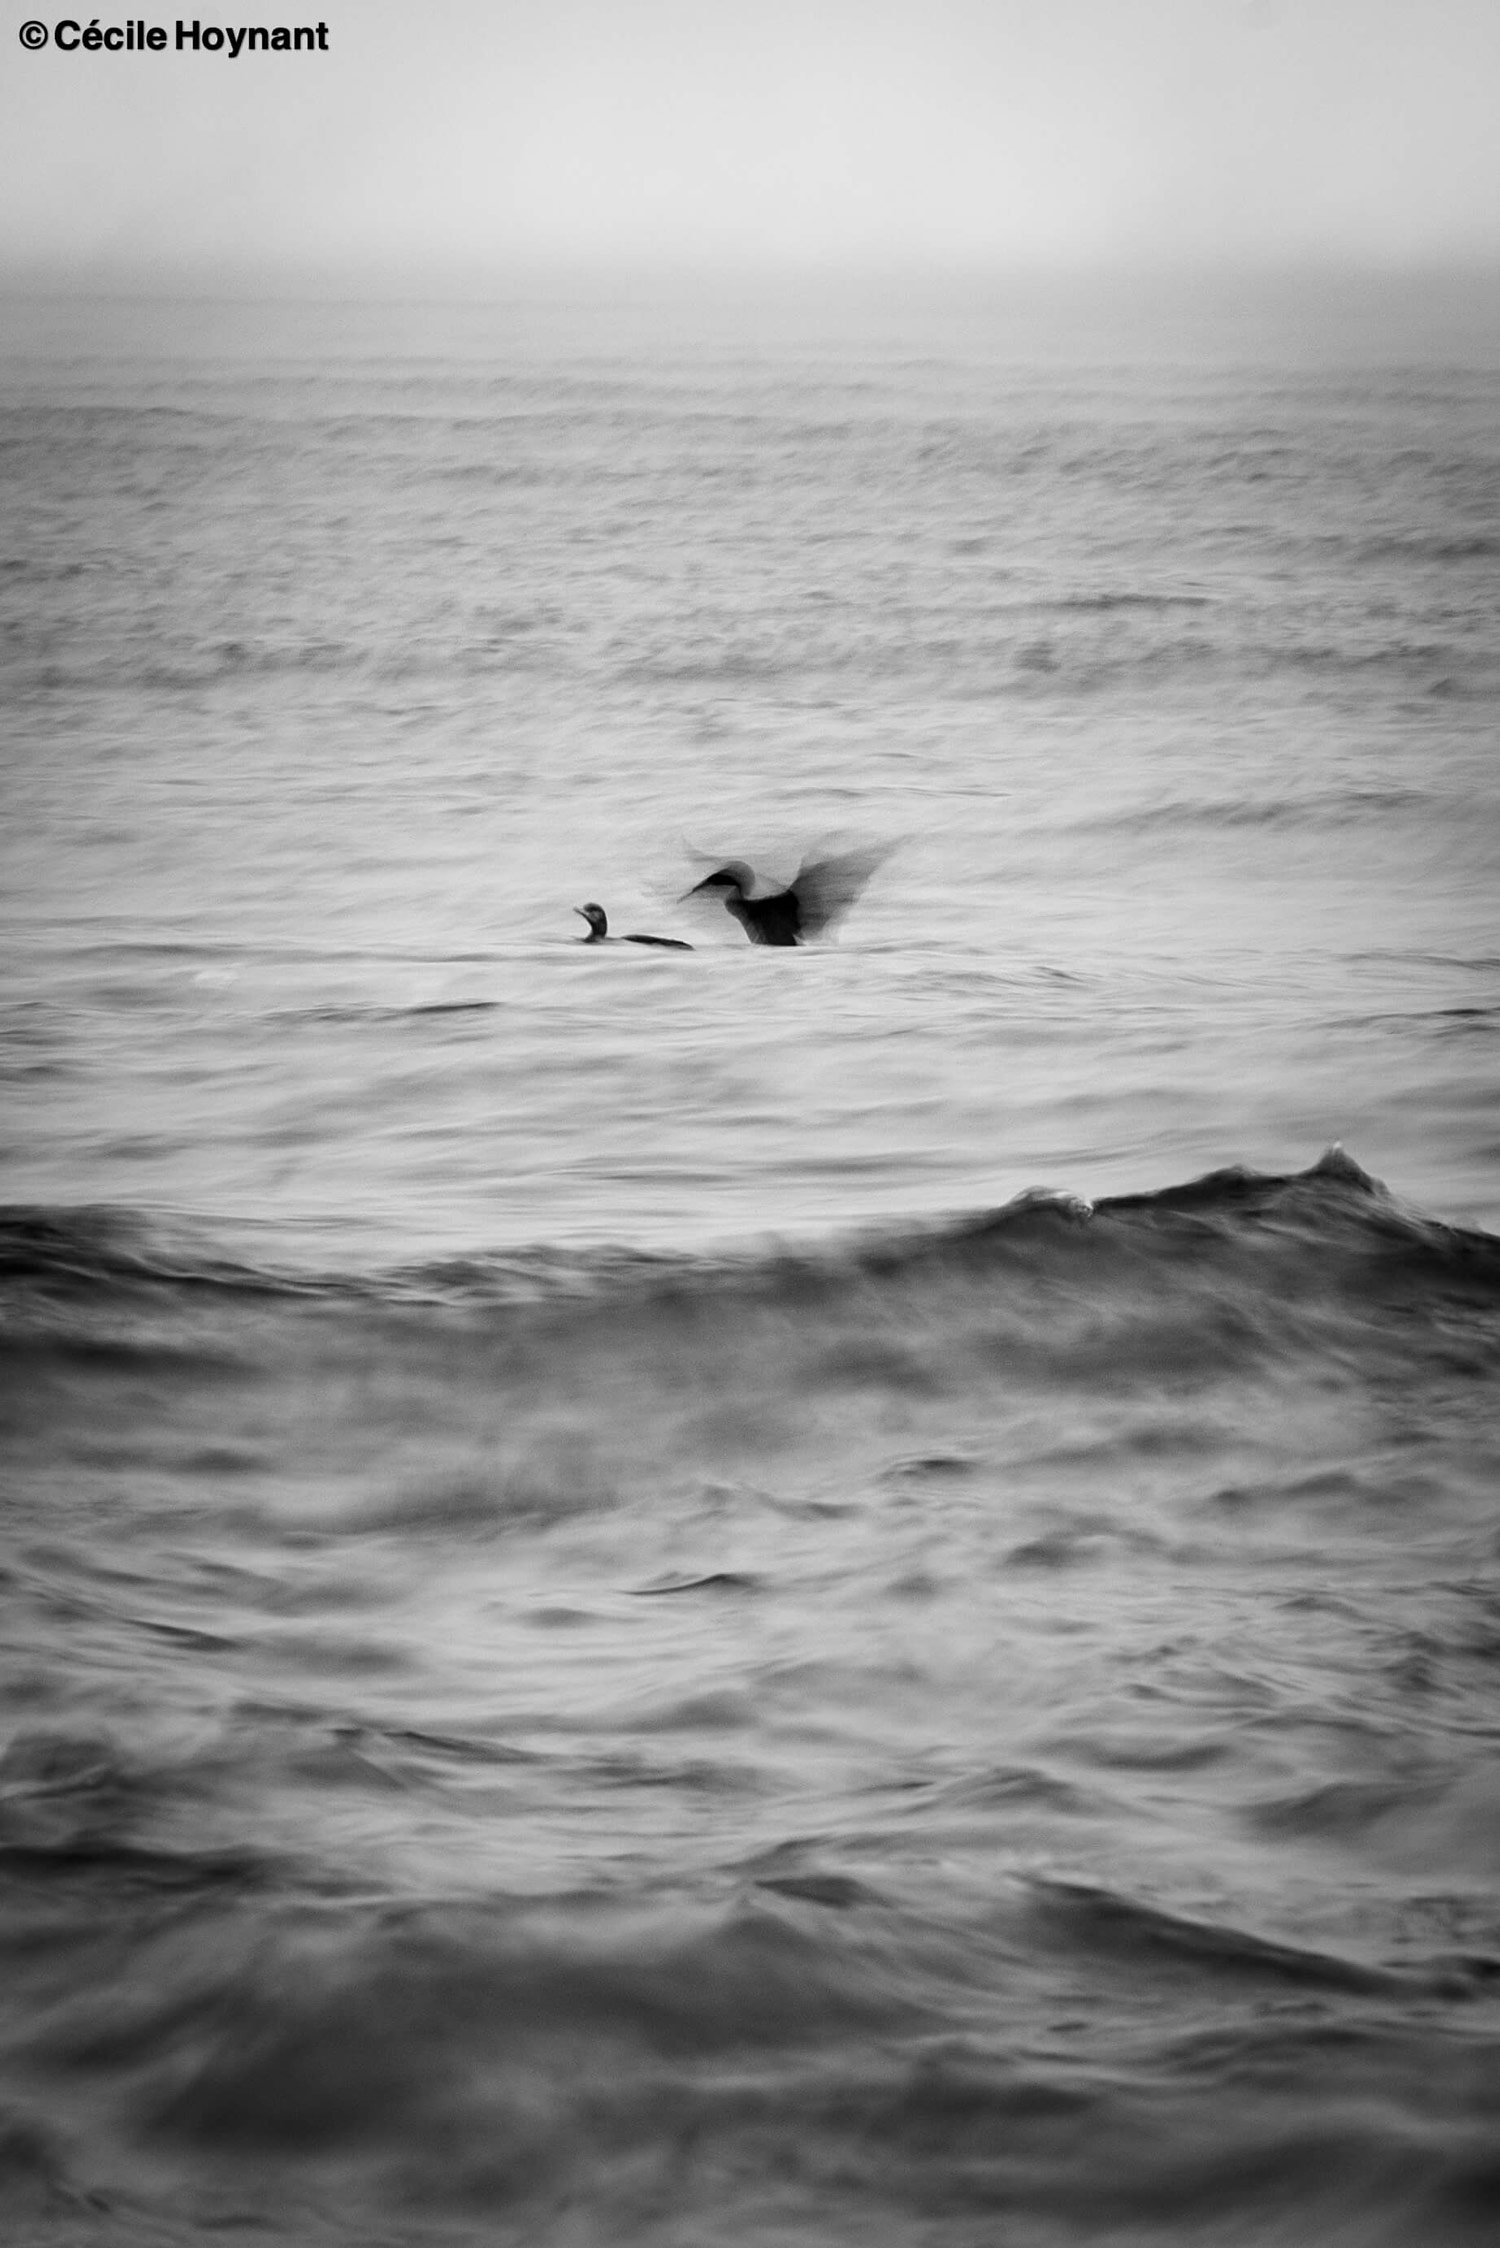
[598, 922]
[819, 891]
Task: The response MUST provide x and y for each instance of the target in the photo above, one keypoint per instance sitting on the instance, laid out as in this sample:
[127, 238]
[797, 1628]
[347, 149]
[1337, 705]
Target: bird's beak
[578, 909]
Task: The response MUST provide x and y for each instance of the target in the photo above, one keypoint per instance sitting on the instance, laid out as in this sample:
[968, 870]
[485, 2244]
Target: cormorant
[819, 891]
[598, 922]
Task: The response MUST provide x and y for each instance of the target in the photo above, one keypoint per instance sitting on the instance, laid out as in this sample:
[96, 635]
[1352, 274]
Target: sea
[762, 1596]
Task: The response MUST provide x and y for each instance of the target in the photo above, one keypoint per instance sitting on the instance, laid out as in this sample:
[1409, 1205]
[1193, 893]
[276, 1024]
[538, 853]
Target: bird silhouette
[598, 921]
[819, 893]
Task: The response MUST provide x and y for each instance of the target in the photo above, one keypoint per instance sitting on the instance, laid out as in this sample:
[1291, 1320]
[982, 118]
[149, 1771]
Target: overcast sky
[474, 133]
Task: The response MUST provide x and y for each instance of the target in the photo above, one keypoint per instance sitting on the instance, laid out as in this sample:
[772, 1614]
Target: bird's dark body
[775, 920]
[598, 923]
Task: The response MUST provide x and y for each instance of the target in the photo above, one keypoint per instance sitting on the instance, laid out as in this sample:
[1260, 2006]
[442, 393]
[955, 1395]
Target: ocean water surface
[848, 1594]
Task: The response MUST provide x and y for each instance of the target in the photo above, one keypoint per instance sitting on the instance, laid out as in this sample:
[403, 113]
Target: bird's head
[730, 878]
[595, 916]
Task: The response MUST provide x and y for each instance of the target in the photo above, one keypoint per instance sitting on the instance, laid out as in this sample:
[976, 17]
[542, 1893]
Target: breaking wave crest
[1236, 1220]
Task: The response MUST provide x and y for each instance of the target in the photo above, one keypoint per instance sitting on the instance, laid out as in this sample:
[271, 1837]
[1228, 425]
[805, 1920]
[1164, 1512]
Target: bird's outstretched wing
[826, 888]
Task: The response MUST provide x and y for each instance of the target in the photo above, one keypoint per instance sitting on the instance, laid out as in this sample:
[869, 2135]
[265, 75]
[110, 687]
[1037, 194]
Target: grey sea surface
[769, 1596]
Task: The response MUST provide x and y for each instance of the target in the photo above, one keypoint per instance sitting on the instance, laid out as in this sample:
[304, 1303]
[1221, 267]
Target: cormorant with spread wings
[819, 892]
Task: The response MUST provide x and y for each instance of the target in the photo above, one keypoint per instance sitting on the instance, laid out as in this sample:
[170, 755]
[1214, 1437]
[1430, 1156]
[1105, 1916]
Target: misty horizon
[1096, 316]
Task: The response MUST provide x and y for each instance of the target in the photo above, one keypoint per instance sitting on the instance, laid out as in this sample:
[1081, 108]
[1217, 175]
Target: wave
[1316, 808]
[1085, 644]
[505, 647]
[1333, 1205]
[798, 2061]
[1432, 546]
[1217, 1277]
[1103, 602]
[964, 1994]
[1123, 1932]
